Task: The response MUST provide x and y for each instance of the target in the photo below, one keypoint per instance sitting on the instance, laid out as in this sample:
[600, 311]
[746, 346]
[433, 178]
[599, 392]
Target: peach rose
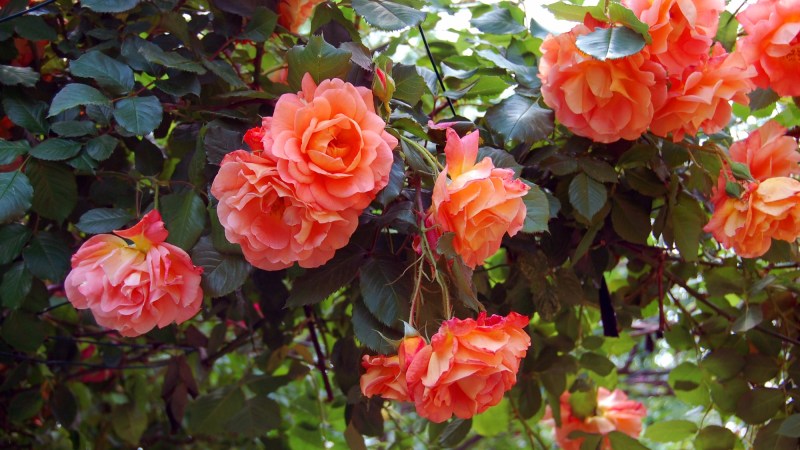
[330, 145]
[767, 210]
[602, 100]
[772, 43]
[682, 30]
[477, 202]
[614, 413]
[292, 14]
[134, 287]
[768, 152]
[386, 375]
[264, 215]
[468, 366]
[700, 97]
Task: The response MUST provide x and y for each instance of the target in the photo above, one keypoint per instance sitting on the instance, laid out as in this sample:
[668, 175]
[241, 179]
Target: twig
[320, 356]
[26, 11]
[436, 70]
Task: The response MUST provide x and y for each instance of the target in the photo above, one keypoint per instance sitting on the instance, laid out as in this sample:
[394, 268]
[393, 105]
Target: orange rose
[468, 366]
[602, 100]
[772, 43]
[477, 202]
[768, 210]
[682, 30]
[614, 413]
[134, 287]
[27, 51]
[330, 145]
[768, 152]
[292, 14]
[700, 97]
[264, 215]
[386, 375]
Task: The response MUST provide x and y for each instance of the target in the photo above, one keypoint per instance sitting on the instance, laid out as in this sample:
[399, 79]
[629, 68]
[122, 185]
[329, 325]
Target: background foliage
[125, 103]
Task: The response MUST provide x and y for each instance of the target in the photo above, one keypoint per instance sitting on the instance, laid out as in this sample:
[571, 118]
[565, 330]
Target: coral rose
[468, 366]
[768, 152]
[768, 210]
[614, 412]
[478, 202]
[772, 43]
[292, 14]
[264, 215]
[602, 100]
[386, 375]
[682, 30]
[700, 96]
[134, 287]
[330, 145]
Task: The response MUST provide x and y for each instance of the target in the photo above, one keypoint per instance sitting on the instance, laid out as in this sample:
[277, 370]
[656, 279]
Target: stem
[436, 69]
[26, 11]
[433, 162]
[529, 433]
[320, 356]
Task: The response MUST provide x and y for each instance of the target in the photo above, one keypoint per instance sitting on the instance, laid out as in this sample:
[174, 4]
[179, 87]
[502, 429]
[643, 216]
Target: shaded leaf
[139, 115]
[520, 119]
[103, 220]
[387, 15]
[16, 195]
[611, 43]
[76, 94]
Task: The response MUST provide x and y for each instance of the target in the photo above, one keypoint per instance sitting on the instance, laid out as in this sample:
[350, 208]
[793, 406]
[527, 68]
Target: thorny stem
[312, 332]
[436, 69]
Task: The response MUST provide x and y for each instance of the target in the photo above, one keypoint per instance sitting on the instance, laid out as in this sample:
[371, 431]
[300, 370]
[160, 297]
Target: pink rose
[386, 375]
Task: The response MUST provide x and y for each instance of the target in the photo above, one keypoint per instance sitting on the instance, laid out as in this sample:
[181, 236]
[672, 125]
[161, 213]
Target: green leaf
[597, 363]
[790, 427]
[498, 21]
[688, 218]
[10, 150]
[317, 284]
[670, 430]
[493, 421]
[260, 26]
[105, 70]
[75, 94]
[387, 15]
[409, 84]
[184, 215]
[598, 169]
[25, 405]
[715, 437]
[173, 60]
[751, 318]
[621, 441]
[520, 120]
[318, 58]
[727, 30]
[455, 432]
[55, 192]
[15, 285]
[56, 149]
[103, 220]
[225, 71]
[22, 76]
[386, 288]
[222, 273]
[27, 113]
[769, 437]
[210, 413]
[687, 381]
[630, 219]
[256, 417]
[64, 405]
[371, 332]
[741, 171]
[575, 13]
[14, 236]
[23, 331]
[109, 6]
[129, 422]
[101, 147]
[620, 14]
[611, 43]
[47, 257]
[74, 128]
[34, 28]
[723, 363]
[139, 115]
[397, 178]
[586, 195]
[760, 404]
[16, 194]
[537, 210]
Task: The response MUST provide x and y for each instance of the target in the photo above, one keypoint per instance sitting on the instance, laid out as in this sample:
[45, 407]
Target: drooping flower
[768, 152]
[132, 287]
[700, 96]
[468, 366]
[292, 14]
[385, 376]
[475, 200]
[264, 215]
[602, 100]
[682, 30]
[329, 144]
[614, 412]
[772, 43]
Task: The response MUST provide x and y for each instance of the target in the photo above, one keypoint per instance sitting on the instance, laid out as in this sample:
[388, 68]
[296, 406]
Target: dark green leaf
[670, 430]
[109, 6]
[27, 113]
[715, 437]
[47, 257]
[172, 60]
[621, 441]
[107, 71]
[597, 363]
[10, 150]
[222, 273]
[317, 284]
[103, 220]
[23, 331]
[687, 381]
[387, 15]
[139, 115]
[128, 422]
[55, 192]
[397, 178]
[101, 147]
[15, 285]
[741, 171]
[16, 194]
[56, 149]
[723, 363]
[256, 417]
[25, 405]
[75, 94]
[409, 84]
[210, 413]
[74, 128]
[455, 432]
[769, 437]
[224, 70]
[688, 219]
[219, 141]
[611, 43]
[34, 28]
[184, 215]
[630, 219]
[760, 404]
[23, 76]
[64, 405]
[751, 318]
[537, 211]
[622, 15]
[13, 236]
[598, 169]
[520, 119]
[586, 195]
[498, 21]
[371, 332]
[386, 288]
[318, 58]
[790, 427]
[260, 26]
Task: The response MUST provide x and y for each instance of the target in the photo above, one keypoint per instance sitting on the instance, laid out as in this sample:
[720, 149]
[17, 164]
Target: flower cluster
[679, 83]
[467, 367]
[316, 164]
[769, 205]
[134, 287]
[476, 201]
[614, 412]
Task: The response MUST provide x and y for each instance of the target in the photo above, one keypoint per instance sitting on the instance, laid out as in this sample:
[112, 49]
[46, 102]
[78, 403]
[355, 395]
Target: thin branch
[321, 365]
[26, 11]
[436, 70]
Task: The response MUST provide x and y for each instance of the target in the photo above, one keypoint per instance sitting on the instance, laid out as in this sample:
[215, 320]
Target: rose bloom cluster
[476, 201]
[614, 412]
[769, 205]
[678, 84]
[467, 367]
[316, 164]
[134, 281]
